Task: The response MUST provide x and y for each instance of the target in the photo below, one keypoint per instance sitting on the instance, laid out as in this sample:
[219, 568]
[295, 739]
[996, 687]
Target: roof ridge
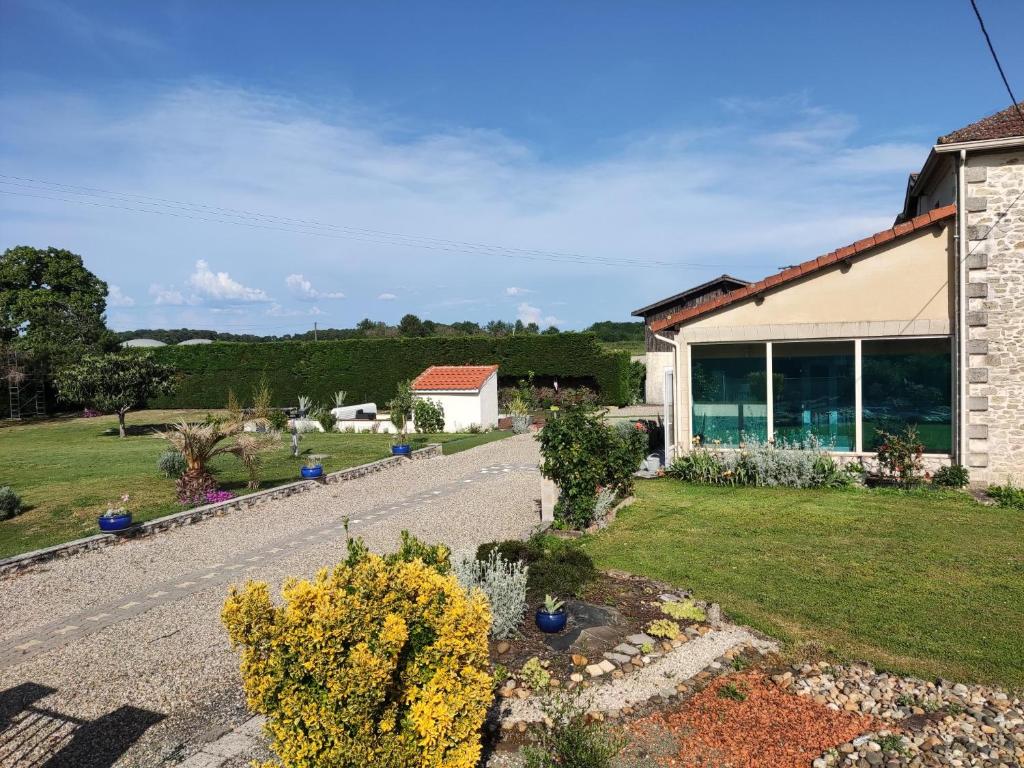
[857, 248]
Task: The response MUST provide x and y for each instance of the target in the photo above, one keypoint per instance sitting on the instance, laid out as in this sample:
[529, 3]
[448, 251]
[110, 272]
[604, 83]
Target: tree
[199, 444]
[410, 325]
[116, 382]
[51, 305]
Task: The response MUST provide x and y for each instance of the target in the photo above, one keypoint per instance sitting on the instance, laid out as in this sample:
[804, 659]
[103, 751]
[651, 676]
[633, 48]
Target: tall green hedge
[369, 369]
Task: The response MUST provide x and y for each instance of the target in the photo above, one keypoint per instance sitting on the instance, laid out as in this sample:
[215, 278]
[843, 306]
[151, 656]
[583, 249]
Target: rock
[595, 670]
[668, 598]
[714, 614]
[579, 660]
[618, 658]
[576, 677]
[626, 649]
[503, 647]
[606, 666]
[640, 639]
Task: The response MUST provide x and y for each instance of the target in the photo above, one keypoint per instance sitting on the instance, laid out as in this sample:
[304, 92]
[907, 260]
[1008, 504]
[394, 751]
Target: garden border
[12, 566]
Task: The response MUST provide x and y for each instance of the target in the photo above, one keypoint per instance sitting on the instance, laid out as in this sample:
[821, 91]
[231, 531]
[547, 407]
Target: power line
[219, 215]
[995, 58]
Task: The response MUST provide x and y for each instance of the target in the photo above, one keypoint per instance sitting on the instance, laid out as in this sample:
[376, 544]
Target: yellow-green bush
[379, 663]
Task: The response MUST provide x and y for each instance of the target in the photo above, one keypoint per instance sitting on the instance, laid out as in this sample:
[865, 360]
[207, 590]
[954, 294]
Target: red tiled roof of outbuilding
[453, 377]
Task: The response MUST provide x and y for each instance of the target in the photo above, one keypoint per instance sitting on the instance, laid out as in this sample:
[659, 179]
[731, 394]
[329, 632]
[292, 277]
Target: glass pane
[908, 381]
[729, 394]
[813, 391]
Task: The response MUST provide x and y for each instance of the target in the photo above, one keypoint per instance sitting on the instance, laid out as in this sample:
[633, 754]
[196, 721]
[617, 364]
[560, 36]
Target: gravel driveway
[117, 656]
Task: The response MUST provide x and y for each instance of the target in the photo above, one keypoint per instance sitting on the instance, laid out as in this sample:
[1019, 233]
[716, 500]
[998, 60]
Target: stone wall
[995, 316]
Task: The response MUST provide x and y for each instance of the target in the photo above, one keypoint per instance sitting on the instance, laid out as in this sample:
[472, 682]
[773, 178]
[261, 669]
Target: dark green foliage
[610, 330]
[278, 420]
[1007, 495]
[369, 369]
[51, 305]
[572, 740]
[557, 566]
[637, 382]
[428, 415]
[582, 454]
[10, 503]
[954, 476]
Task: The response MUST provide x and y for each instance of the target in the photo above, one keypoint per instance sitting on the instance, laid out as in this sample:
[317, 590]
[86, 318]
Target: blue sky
[326, 162]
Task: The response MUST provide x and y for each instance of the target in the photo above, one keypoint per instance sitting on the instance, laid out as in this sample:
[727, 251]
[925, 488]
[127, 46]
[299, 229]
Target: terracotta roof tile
[1002, 125]
[810, 266]
[458, 377]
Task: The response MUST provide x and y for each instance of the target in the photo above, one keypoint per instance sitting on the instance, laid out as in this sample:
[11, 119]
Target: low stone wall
[18, 563]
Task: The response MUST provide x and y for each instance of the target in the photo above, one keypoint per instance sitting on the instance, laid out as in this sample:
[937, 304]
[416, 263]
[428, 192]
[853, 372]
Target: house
[658, 355]
[921, 323]
[468, 394]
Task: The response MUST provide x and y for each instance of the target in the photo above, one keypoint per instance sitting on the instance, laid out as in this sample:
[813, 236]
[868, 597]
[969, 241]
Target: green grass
[925, 583]
[632, 347]
[66, 470]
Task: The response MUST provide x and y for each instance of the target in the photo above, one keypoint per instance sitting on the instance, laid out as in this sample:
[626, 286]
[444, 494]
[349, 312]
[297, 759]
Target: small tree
[401, 409]
[114, 383]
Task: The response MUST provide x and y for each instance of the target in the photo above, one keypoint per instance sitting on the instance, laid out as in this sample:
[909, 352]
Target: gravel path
[134, 629]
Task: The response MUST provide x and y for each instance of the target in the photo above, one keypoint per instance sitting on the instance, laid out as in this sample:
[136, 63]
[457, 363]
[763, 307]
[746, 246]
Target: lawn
[923, 583]
[66, 470]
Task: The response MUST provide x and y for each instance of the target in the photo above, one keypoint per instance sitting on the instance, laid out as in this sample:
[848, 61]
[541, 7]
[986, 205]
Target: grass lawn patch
[923, 583]
[66, 470]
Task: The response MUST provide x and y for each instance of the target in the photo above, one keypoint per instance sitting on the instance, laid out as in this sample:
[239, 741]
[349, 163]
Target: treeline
[409, 327]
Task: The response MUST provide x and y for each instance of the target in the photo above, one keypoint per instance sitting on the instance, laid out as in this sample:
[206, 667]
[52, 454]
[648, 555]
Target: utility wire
[995, 58]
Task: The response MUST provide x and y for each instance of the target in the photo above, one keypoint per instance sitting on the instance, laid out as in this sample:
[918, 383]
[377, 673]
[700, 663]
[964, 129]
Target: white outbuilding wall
[464, 408]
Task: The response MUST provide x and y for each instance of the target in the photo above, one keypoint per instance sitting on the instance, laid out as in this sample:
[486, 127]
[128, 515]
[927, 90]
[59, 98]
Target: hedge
[369, 369]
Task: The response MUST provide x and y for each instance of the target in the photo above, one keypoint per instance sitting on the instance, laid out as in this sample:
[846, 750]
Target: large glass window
[814, 391]
[908, 382]
[729, 392]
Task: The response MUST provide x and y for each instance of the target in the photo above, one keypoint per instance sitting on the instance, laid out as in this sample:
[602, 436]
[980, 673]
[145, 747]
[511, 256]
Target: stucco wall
[995, 316]
[464, 409]
[654, 387]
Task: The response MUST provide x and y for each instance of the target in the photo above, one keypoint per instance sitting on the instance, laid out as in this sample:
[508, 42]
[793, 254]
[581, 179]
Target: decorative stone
[579, 660]
[595, 670]
[626, 649]
[503, 647]
[640, 639]
[606, 666]
[576, 677]
[668, 598]
[618, 658]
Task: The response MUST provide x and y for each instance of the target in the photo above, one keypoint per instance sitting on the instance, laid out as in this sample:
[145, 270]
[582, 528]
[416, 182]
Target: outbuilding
[468, 394]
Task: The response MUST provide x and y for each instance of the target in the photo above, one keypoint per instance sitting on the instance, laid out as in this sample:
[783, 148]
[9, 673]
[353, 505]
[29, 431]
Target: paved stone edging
[12, 566]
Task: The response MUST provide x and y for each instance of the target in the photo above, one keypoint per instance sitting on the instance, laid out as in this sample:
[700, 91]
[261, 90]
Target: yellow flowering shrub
[378, 663]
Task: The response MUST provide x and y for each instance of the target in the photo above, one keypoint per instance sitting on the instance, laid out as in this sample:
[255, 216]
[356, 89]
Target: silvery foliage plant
[503, 583]
[799, 463]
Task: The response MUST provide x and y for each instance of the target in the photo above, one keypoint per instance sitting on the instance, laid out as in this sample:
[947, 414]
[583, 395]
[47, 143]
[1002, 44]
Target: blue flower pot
[115, 523]
[311, 472]
[402, 449]
[551, 622]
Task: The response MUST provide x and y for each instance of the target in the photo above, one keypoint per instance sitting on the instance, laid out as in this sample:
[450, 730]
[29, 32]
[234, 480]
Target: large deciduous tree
[114, 383]
[51, 305]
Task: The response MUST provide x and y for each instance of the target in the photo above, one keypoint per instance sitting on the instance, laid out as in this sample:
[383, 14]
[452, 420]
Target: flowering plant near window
[900, 455]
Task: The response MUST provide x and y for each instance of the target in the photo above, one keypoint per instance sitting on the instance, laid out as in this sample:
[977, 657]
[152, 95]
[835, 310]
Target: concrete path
[118, 657]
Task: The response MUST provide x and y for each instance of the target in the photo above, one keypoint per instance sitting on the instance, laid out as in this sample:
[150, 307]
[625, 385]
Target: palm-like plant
[201, 443]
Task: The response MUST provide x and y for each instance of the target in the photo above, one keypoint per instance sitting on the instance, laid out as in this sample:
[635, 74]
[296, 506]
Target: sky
[258, 167]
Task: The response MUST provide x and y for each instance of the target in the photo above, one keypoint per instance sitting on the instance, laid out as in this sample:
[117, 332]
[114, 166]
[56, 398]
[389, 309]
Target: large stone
[626, 649]
[640, 639]
[618, 658]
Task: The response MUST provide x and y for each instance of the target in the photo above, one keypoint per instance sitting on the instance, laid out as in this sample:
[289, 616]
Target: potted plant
[519, 410]
[314, 467]
[551, 616]
[401, 411]
[117, 517]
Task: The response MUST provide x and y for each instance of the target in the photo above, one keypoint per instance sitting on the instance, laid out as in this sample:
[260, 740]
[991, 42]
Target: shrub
[428, 415]
[684, 610]
[10, 503]
[581, 453]
[278, 420]
[1007, 495]
[381, 662]
[664, 628]
[171, 464]
[534, 675]
[954, 476]
[504, 584]
[800, 463]
[327, 420]
[369, 369]
[556, 566]
[900, 455]
[571, 740]
[637, 382]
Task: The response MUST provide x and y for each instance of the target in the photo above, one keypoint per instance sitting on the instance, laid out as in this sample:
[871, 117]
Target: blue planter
[402, 449]
[115, 523]
[551, 622]
[311, 472]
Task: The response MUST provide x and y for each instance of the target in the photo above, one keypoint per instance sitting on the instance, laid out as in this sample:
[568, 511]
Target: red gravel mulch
[770, 728]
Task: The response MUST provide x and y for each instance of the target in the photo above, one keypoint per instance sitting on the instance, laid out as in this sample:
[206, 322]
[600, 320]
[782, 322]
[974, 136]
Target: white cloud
[277, 310]
[798, 178]
[531, 314]
[302, 288]
[170, 296]
[116, 298]
[220, 286]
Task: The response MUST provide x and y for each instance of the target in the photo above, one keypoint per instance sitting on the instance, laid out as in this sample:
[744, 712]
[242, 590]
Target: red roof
[445, 377]
[1006, 124]
[858, 248]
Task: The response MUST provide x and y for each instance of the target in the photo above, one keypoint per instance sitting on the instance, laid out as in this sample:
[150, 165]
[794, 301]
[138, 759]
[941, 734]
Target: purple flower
[213, 497]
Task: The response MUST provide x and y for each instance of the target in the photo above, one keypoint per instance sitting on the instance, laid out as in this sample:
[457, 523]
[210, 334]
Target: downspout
[676, 379]
[961, 320]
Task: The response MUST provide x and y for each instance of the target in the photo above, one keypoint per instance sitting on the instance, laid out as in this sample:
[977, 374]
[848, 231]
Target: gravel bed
[174, 660]
[65, 587]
